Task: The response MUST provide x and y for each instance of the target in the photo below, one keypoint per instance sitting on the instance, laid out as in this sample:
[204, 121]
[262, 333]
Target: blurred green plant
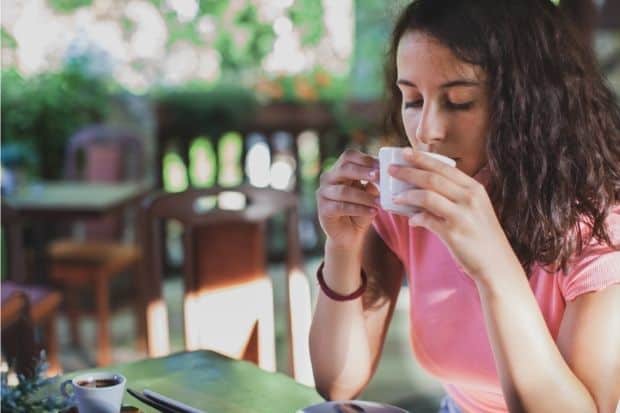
[307, 15]
[66, 6]
[41, 112]
[31, 394]
[245, 42]
[7, 40]
[197, 108]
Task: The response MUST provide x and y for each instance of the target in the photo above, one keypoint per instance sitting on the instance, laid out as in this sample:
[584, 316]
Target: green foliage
[197, 108]
[213, 7]
[373, 23]
[244, 45]
[44, 110]
[307, 15]
[179, 31]
[7, 40]
[66, 6]
[28, 396]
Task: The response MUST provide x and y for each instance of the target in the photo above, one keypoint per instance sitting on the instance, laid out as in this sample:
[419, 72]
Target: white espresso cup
[390, 186]
[100, 392]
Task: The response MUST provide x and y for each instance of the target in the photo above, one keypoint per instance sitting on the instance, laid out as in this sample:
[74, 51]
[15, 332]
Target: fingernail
[372, 174]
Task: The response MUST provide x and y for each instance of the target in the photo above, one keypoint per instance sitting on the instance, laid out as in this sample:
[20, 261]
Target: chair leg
[140, 308]
[50, 344]
[251, 352]
[103, 317]
[73, 314]
[266, 329]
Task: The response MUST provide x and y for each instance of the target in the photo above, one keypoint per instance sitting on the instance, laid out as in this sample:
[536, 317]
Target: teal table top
[74, 200]
[214, 383]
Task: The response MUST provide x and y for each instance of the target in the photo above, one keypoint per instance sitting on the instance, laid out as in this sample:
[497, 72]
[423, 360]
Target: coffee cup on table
[100, 392]
[389, 186]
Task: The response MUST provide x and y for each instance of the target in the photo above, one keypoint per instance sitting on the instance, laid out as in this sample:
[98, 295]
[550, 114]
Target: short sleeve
[597, 267]
[393, 230]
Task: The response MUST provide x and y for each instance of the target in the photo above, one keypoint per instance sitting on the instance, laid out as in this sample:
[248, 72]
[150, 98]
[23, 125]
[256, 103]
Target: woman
[513, 267]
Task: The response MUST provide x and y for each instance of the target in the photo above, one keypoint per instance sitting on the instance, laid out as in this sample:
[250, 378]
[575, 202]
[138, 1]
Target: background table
[44, 206]
[215, 384]
[74, 200]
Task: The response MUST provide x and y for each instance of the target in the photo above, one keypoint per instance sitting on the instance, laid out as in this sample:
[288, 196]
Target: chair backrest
[221, 246]
[103, 153]
[14, 248]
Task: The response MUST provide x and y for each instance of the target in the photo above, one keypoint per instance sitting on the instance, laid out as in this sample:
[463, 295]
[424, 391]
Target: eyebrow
[452, 83]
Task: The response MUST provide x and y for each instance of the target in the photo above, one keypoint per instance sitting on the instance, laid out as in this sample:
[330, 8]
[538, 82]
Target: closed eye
[414, 104]
[459, 106]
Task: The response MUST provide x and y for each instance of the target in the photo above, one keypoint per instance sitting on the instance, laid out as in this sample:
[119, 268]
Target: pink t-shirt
[447, 328]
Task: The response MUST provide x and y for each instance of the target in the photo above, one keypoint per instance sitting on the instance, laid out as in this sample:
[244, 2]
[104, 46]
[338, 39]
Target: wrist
[342, 268]
[343, 252]
[334, 295]
[500, 276]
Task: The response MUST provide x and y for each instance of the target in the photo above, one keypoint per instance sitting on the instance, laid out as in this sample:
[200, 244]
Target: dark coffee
[99, 382]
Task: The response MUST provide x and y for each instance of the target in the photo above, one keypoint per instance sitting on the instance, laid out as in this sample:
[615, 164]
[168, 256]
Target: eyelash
[451, 106]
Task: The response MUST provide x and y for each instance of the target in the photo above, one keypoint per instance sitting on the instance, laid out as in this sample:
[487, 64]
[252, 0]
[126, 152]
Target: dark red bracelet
[334, 295]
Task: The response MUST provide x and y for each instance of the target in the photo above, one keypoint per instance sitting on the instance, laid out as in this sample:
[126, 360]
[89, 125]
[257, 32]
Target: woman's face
[445, 104]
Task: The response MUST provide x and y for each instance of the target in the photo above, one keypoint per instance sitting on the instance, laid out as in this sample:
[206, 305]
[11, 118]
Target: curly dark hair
[553, 145]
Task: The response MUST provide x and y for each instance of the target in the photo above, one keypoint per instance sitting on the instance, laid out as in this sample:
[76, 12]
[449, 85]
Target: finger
[330, 208]
[423, 161]
[360, 158]
[372, 189]
[349, 171]
[427, 220]
[350, 194]
[430, 201]
[430, 180]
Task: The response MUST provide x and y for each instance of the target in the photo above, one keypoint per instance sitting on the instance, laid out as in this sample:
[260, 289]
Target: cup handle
[63, 390]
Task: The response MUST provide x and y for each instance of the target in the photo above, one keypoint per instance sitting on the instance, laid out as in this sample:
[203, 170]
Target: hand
[345, 205]
[457, 209]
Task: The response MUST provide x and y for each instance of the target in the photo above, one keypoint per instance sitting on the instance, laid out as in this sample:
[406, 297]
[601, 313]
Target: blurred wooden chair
[18, 342]
[98, 154]
[29, 307]
[228, 298]
[26, 307]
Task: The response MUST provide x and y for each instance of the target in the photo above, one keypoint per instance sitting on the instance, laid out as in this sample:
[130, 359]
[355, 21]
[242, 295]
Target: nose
[431, 126]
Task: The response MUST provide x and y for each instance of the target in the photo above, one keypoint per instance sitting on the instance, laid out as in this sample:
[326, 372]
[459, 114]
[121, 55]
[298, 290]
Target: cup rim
[97, 375]
[438, 156]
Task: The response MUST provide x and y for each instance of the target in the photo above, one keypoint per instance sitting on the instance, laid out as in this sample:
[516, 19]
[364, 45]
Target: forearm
[339, 345]
[533, 373]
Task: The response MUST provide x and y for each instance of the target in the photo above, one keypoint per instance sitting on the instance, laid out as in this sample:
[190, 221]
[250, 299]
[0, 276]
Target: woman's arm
[346, 338]
[534, 375]
[589, 340]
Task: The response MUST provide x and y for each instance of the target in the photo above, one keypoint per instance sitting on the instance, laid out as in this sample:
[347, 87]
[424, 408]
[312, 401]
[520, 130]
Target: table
[74, 200]
[214, 383]
[68, 201]
[50, 202]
